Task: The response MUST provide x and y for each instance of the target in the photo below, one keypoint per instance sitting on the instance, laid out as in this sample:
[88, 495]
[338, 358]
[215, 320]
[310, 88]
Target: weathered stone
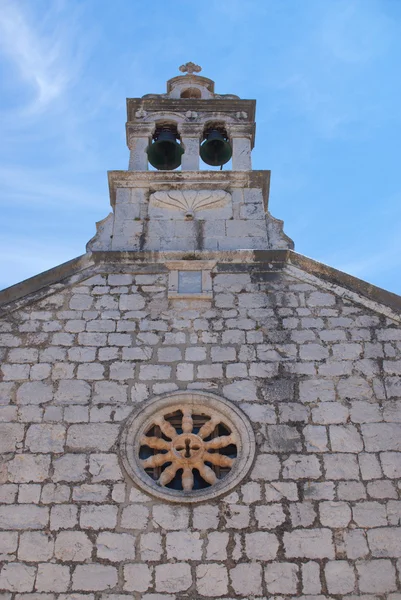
[385, 542]
[309, 543]
[94, 577]
[376, 576]
[45, 438]
[211, 580]
[246, 579]
[182, 545]
[340, 577]
[261, 545]
[281, 578]
[35, 546]
[17, 577]
[52, 578]
[73, 546]
[116, 547]
[173, 577]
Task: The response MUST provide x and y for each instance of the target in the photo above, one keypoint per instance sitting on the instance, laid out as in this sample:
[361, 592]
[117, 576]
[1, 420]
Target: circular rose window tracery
[187, 447]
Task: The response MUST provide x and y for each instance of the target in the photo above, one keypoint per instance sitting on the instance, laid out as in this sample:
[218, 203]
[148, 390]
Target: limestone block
[341, 466]
[99, 517]
[206, 517]
[281, 578]
[11, 434]
[173, 577]
[15, 372]
[126, 235]
[391, 463]
[135, 516]
[381, 436]
[55, 493]
[72, 392]
[370, 466]
[151, 546]
[369, 514]
[298, 466]
[251, 492]
[376, 576]
[92, 436]
[94, 577]
[246, 579]
[353, 388]
[115, 547]
[351, 490]
[340, 577]
[52, 578]
[277, 490]
[385, 542]
[315, 438]
[211, 580]
[261, 545]
[8, 545]
[267, 467]
[28, 467]
[303, 514]
[35, 392]
[313, 352]
[73, 546]
[17, 577]
[246, 229]
[345, 438]
[317, 389]
[217, 542]
[355, 544]
[334, 514]
[184, 545]
[239, 390]
[311, 578]
[309, 543]
[269, 516]
[104, 467]
[152, 372]
[137, 577]
[45, 438]
[64, 516]
[70, 467]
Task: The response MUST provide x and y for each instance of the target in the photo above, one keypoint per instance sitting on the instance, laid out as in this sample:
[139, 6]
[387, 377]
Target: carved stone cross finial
[190, 68]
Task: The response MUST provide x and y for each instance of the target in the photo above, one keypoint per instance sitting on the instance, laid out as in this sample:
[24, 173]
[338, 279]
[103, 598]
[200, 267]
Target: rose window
[188, 450]
[187, 446]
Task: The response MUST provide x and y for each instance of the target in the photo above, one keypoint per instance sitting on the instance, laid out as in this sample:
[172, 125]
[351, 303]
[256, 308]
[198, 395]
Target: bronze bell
[164, 153]
[215, 150]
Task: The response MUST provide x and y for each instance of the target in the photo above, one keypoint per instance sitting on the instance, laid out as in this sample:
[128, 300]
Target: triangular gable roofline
[299, 266]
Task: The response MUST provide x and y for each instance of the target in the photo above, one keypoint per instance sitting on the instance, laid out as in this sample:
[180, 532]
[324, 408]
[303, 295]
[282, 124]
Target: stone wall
[319, 377]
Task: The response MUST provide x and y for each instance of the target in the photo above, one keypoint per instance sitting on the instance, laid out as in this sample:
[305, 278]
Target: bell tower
[189, 184]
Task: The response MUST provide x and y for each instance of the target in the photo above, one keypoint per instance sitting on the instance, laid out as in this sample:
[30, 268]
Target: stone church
[191, 409]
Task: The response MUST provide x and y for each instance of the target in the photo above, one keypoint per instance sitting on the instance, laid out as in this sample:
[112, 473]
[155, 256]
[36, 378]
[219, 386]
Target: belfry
[191, 409]
[165, 209]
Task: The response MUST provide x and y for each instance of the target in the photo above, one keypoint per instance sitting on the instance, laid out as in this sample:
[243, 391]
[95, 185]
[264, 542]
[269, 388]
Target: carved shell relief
[190, 201]
[187, 447]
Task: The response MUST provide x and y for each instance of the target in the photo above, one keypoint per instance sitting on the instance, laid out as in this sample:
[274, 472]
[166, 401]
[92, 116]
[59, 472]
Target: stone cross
[190, 68]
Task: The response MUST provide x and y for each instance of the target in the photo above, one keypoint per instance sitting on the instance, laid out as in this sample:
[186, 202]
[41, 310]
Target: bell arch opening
[191, 93]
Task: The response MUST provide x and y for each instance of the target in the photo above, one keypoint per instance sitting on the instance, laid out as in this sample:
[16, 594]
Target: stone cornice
[223, 106]
[167, 180]
[270, 262]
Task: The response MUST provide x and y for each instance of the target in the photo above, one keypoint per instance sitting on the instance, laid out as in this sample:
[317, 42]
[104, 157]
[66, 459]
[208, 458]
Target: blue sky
[326, 77]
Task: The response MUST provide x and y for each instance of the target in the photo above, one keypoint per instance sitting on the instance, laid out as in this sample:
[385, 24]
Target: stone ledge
[168, 180]
[264, 262]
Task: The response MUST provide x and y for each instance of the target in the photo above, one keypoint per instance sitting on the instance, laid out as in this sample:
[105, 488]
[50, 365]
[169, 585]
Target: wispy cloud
[47, 56]
[39, 187]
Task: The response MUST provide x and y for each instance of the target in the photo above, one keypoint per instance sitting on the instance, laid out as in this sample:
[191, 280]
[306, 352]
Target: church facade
[191, 409]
